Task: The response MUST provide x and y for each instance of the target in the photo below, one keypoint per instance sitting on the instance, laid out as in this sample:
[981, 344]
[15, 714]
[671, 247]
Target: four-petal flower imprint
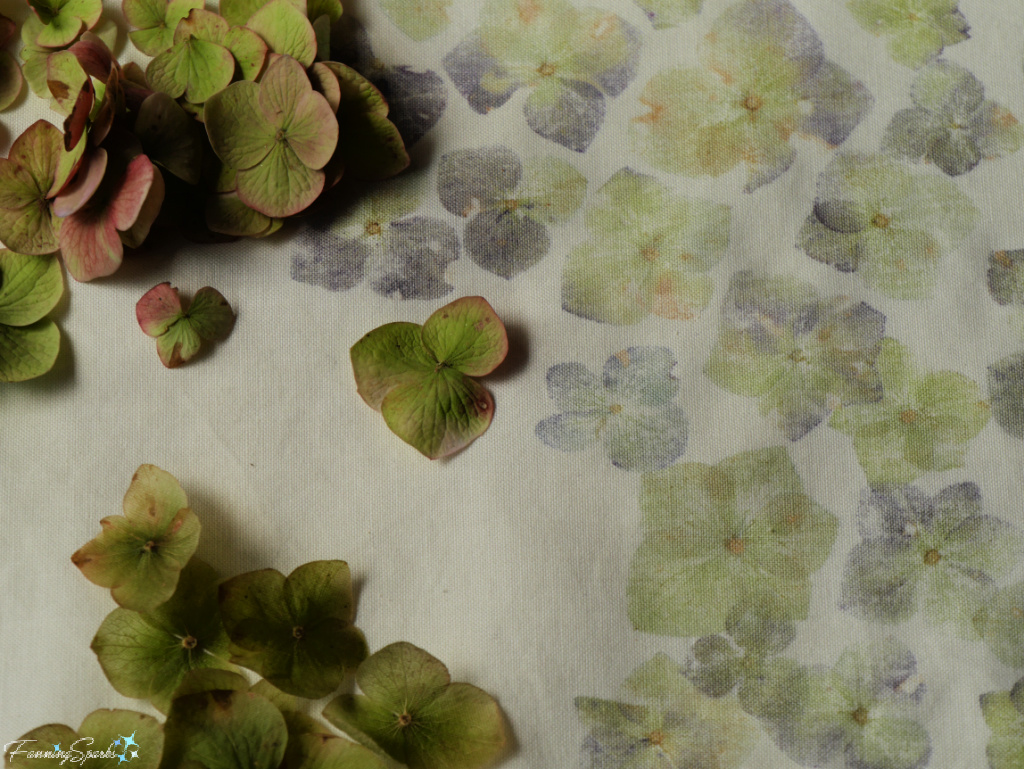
[740, 532]
[511, 203]
[941, 554]
[951, 124]
[923, 421]
[675, 727]
[629, 409]
[765, 78]
[1006, 390]
[1006, 277]
[573, 60]
[382, 239]
[649, 252]
[875, 217]
[798, 353]
[1004, 714]
[862, 713]
[916, 31]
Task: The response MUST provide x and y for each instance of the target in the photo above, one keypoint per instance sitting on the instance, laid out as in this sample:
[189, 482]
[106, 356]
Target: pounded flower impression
[419, 377]
[179, 329]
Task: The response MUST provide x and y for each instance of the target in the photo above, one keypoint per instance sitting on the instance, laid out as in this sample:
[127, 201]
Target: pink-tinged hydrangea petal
[11, 80]
[37, 151]
[84, 185]
[89, 240]
[281, 89]
[180, 330]
[313, 133]
[134, 236]
[240, 143]
[132, 192]
[248, 49]
[158, 309]
[417, 376]
[63, 20]
[280, 185]
[325, 82]
[94, 55]
[286, 30]
[467, 335]
[178, 344]
[201, 25]
[154, 22]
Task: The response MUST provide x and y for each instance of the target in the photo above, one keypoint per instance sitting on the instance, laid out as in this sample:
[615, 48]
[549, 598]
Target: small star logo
[134, 753]
[56, 748]
[130, 740]
[121, 759]
[116, 743]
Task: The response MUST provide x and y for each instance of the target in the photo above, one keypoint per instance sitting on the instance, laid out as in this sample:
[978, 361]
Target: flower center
[908, 416]
[546, 69]
[880, 220]
[298, 633]
[650, 253]
[149, 547]
[932, 557]
[404, 719]
[798, 356]
[860, 715]
[752, 103]
[735, 545]
[280, 134]
[189, 642]
[373, 228]
[615, 408]
[657, 737]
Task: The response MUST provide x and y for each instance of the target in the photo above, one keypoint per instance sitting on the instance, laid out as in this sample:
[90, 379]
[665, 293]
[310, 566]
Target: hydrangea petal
[295, 631]
[148, 655]
[457, 724]
[286, 30]
[30, 286]
[140, 555]
[280, 184]
[1006, 391]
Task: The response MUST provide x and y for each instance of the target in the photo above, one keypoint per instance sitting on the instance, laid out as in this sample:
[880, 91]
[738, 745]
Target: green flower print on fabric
[1006, 277]
[922, 423]
[676, 727]
[951, 124]
[916, 30]
[669, 13]
[891, 226]
[1006, 389]
[1001, 624]
[941, 554]
[419, 19]
[572, 61]
[799, 354]
[648, 253]
[381, 238]
[765, 78]
[1004, 714]
[715, 537]
[509, 203]
[860, 714]
[629, 409]
[744, 657]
